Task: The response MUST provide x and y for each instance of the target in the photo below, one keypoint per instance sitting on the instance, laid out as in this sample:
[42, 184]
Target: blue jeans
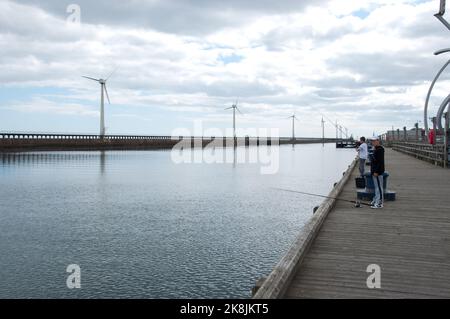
[379, 191]
[362, 166]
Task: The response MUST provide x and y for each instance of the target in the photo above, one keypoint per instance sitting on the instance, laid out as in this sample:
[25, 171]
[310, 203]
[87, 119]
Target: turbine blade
[330, 121]
[107, 96]
[228, 108]
[111, 74]
[239, 110]
[87, 77]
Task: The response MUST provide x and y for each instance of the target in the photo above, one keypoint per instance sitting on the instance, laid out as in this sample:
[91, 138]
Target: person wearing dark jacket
[377, 170]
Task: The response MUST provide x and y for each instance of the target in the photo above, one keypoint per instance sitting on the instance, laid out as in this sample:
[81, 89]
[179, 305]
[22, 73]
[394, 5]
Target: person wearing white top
[363, 154]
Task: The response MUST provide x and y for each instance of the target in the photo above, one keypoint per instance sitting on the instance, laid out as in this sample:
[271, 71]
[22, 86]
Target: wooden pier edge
[278, 281]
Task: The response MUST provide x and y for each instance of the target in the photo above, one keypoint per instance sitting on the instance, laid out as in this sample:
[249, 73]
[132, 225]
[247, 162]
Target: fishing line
[356, 202]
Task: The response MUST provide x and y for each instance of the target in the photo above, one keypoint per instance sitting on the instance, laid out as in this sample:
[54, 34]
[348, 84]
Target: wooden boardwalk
[409, 239]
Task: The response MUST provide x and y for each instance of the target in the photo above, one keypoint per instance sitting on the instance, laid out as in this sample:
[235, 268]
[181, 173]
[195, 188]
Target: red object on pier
[432, 137]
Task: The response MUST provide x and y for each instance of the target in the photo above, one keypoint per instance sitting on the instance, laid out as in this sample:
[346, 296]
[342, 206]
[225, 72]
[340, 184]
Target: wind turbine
[339, 128]
[234, 107]
[323, 131]
[294, 118]
[102, 101]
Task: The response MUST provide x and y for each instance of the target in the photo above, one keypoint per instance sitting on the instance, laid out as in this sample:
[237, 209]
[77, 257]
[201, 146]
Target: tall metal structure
[437, 121]
[234, 107]
[103, 91]
[446, 101]
[294, 118]
[440, 14]
[323, 131]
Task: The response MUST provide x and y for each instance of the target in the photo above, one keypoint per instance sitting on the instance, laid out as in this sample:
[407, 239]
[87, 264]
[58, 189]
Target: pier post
[434, 126]
[404, 134]
[417, 131]
[446, 138]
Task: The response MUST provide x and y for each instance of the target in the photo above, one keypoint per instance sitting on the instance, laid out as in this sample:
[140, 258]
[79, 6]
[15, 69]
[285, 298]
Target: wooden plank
[408, 238]
[276, 284]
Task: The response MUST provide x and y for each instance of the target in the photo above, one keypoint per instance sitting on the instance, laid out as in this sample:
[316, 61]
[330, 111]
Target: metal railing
[60, 136]
[71, 136]
[435, 154]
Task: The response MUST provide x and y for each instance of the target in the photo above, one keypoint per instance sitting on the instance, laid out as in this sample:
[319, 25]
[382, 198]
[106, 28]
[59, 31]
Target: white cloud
[43, 105]
[292, 57]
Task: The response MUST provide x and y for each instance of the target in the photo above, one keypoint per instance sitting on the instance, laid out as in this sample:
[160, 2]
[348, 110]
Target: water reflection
[163, 230]
[44, 158]
[102, 162]
[49, 159]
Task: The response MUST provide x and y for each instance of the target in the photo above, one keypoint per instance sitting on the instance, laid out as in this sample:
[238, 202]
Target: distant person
[362, 153]
[377, 171]
[432, 137]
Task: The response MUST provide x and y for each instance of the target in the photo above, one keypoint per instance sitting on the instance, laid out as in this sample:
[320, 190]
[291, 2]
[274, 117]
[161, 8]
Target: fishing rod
[356, 202]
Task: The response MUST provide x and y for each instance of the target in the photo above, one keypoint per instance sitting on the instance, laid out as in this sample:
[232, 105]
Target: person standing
[362, 153]
[377, 171]
[432, 137]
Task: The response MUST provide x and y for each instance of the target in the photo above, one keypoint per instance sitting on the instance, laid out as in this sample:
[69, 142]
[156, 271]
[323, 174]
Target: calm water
[141, 226]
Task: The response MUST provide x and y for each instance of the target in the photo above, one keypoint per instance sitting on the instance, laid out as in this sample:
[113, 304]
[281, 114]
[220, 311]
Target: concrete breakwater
[10, 142]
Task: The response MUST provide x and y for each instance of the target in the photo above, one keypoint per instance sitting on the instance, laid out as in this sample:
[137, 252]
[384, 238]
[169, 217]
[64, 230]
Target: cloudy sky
[366, 64]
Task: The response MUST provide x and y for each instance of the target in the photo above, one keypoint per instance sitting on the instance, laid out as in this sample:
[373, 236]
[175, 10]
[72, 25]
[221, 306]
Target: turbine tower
[339, 128]
[103, 91]
[294, 118]
[234, 107]
[323, 131]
